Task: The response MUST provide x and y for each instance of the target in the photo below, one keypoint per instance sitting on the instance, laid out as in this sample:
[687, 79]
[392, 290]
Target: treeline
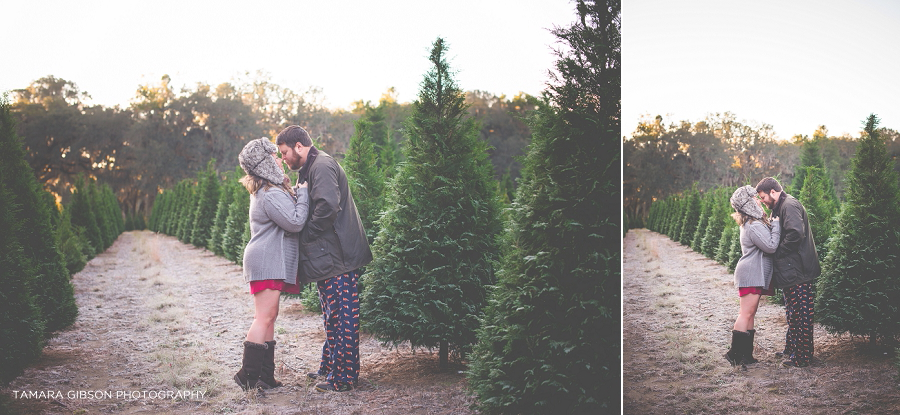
[857, 240]
[41, 247]
[661, 160]
[165, 135]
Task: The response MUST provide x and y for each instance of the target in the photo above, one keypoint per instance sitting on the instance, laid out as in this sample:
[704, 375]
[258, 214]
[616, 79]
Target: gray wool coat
[276, 220]
[758, 242]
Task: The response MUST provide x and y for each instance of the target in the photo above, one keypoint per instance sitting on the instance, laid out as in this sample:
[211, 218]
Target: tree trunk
[444, 352]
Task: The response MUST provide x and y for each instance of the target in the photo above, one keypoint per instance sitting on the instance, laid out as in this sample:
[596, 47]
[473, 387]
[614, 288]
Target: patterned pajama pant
[339, 299]
[798, 308]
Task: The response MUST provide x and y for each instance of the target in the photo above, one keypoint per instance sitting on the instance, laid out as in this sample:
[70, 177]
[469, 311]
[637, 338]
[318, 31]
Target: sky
[794, 65]
[350, 49]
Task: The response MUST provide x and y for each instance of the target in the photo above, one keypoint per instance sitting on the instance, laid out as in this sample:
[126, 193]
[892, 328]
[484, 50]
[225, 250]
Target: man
[333, 247]
[795, 269]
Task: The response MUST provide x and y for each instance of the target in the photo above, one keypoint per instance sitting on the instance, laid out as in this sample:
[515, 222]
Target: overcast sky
[350, 49]
[793, 64]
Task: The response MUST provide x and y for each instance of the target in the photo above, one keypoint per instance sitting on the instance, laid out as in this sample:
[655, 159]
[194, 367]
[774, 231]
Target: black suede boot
[268, 367]
[248, 376]
[748, 349]
[735, 354]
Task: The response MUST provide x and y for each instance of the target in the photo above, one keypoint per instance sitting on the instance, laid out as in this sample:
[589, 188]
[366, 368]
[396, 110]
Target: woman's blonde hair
[254, 183]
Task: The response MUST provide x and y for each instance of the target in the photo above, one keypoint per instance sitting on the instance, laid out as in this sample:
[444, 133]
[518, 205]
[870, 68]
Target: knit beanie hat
[256, 159]
[742, 201]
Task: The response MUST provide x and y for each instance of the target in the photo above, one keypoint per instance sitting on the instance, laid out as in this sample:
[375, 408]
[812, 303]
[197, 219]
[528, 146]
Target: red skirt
[277, 285]
[755, 290]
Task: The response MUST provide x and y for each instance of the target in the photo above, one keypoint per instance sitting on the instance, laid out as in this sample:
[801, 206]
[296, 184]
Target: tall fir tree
[186, 209]
[678, 216]
[723, 249]
[21, 325]
[207, 202]
[817, 197]
[104, 222]
[706, 208]
[238, 216]
[83, 214]
[73, 244]
[226, 196]
[810, 156]
[53, 292]
[366, 179]
[550, 339]
[719, 217]
[690, 217]
[435, 252]
[860, 283]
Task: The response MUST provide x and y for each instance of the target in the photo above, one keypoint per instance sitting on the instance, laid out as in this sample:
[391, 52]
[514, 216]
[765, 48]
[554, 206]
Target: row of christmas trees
[533, 303]
[858, 241]
[40, 247]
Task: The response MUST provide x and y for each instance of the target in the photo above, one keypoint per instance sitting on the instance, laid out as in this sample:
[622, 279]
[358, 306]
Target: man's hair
[292, 135]
[767, 185]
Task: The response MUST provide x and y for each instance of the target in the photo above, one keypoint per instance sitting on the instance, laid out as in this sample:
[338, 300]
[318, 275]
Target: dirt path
[678, 311]
[158, 317]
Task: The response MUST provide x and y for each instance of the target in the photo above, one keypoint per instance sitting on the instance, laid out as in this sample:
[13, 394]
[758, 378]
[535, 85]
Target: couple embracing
[308, 232]
[777, 252]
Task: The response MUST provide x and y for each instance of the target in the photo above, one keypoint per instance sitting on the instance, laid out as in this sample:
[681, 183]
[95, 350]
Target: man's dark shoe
[328, 387]
[315, 375]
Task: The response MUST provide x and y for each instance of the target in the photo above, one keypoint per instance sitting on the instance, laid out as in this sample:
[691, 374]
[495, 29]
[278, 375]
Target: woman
[753, 273]
[277, 216]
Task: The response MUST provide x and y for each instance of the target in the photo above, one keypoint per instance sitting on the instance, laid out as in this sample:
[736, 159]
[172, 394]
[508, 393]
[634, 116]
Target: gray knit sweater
[276, 220]
[754, 269]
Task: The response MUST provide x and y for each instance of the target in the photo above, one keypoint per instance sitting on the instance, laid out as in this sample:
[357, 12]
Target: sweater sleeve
[281, 208]
[763, 238]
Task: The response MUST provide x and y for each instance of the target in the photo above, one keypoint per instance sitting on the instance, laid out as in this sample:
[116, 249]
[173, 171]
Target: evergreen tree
[434, 254]
[207, 197]
[706, 207]
[226, 196]
[384, 145]
[734, 252]
[52, 291]
[723, 251]
[238, 216]
[690, 217]
[718, 218]
[550, 338]
[860, 283]
[139, 222]
[21, 325]
[186, 209]
[678, 216]
[73, 244]
[507, 187]
[366, 180]
[83, 215]
[104, 222]
[816, 197]
[810, 156]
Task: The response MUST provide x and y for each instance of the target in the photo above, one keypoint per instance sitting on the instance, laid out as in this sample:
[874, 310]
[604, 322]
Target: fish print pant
[339, 299]
[799, 311]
